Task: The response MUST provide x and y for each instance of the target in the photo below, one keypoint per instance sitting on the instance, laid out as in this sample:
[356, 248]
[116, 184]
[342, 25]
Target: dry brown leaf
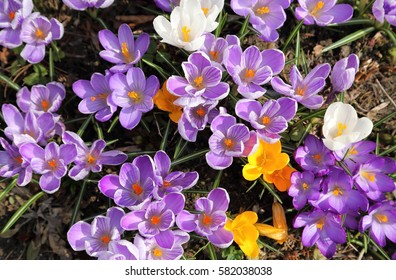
[318, 50]
[134, 20]
[373, 112]
[4, 55]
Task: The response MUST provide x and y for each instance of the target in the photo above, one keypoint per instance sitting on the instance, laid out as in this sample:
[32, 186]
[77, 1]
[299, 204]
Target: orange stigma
[200, 112]
[105, 239]
[305, 186]
[265, 120]
[45, 105]
[135, 96]
[166, 184]
[39, 34]
[214, 55]
[206, 220]
[125, 52]
[137, 189]
[91, 159]
[301, 91]
[155, 220]
[320, 224]
[11, 15]
[317, 157]
[198, 82]
[250, 73]
[52, 164]
[157, 252]
[337, 191]
[228, 143]
[381, 218]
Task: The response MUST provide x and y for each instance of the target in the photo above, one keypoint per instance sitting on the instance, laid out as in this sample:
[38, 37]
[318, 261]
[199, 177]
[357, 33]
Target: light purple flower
[96, 96]
[12, 14]
[382, 222]
[50, 162]
[211, 220]
[90, 159]
[304, 187]
[170, 182]
[122, 51]
[95, 238]
[134, 94]
[323, 12]
[251, 69]
[81, 5]
[356, 154]
[229, 140]
[157, 219]
[322, 228]
[343, 73]
[385, 10]
[119, 250]
[37, 32]
[195, 119]
[314, 156]
[269, 119]
[202, 82]
[133, 187]
[167, 5]
[304, 90]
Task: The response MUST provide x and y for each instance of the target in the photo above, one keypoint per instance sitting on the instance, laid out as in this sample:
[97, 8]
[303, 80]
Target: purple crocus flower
[171, 182]
[314, 156]
[356, 154]
[211, 218]
[133, 187]
[134, 94]
[96, 96]
[50, 162]
[251, 69]
[37, 32]
[304, 187]
[229, 140]
[381, 220]
[95, 238]
[202, 82]
[323, 12]
[122, 51]
[82, 5]
[338, 195]
[90, 159]
[12, 14]
[304, 90]
[322, 228]
[157, 219]
[269, 119]
[167, 5]
[385, 10]
[119, 250]
[344, 72]
[195, 119]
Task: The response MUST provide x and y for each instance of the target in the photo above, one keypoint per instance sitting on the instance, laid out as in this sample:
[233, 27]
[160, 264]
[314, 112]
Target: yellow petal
[271, 232]
[251, 172]
[245, 234]
[228, 225]
[250, 249]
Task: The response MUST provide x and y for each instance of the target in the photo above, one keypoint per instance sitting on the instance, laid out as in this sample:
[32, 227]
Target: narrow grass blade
[211, 251]
[165, 136]
[391, 35]
[99, 130]
[355, 21]
[181, 145]
[244, 29]
[388, 151]
[84, 126]
[145, 125]
[216, 183]
[306, 131]
[78, 203]
[292, 35]
[252, 186]
[51, 65]
[113, 123]
[348, 39]
[271, 190]
[159, 69]
[4, 193]
[384, 119]
[190, 157]
[380, 249]
[298, 49]
[222, 21]
[8, 81]
[169, 63]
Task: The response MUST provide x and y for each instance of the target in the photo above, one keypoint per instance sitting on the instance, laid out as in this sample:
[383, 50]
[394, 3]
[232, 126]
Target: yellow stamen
[102, 96]
[137, 189]
[93, 98]
[320, 224]
[157, 252]
[369, 176]
[381, 218]
[105, 239]
[317, 8]
[201, 112]
[229, 143]
[337, 191]
[340, 128]
[52, 164]
[305, 186]
[214, 55]
[206, 220]
[135, 96]
[186, 33]
[250, 73]
[125, 52]
[155, 220]
[353, 151]
[263, 10]
[301, 91]
[91, 159]
[39, 34]
[11, 15]
[265, 120]
[45, 105]
[198, 82]
[205, 11]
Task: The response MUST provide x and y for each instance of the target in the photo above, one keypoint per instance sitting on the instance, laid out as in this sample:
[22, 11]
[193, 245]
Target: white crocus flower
[343, 127]
[186, 27]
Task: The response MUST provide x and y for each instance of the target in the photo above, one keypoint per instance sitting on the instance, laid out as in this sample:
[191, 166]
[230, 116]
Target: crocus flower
[164, 101]
[305, 187]
[342, 126]
[134, 186]
[81, 5]
[167, 5]
[41, 98]
[211, 10]
[279, 231]
[323, 12]
[229, 140]
[381, 220]
[251, 68]
[90, 159]
[134, 94]
[37, 32]
[267, 159]
[122, 51]
[385, 10]
[96, 96]
[269, 119]
[157, 219]
[95, 238]
[211, 220]
[50, 162]
[322, 228]
[280, 178]
[12, 14]
[119, 250]
[314, 156]
[202, 82]
[304, 90]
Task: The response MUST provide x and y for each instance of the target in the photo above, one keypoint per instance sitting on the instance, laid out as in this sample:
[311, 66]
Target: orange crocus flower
[164, 101]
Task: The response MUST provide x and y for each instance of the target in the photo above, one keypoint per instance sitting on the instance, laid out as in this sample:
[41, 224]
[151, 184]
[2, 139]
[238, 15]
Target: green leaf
[350, 38]
[78, 203]
[212, 252]
[244, 29]
[292, 35]
[84, 126]
[4, 193]
[159, 69]
[51, 65]
[165, 136]
[8, 81]
[190, 157]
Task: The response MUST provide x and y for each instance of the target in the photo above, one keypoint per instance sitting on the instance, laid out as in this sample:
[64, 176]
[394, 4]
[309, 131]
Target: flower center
[305, 186]
[39, 34]
[105, 239]
[198, 82]
[229, 143]
[19, 159]
[135, 96]
[249, 73]
[91, 159]
[301, 90]
[200, 111]
[263, 10]
[205, 11]
[102, 96]
[166, 184]
[320, 224]
[381, 218]
[137, 189]
[157, 252]
[125, 52]
[214, 55]
[317, 157]
[319, 6]
[155, 220]
[11, 15]
[337, 191]
[52, 164]
[369, 176]
[45, 105]
[265, 120]
[340, 128]
[206, 220]
[186, 33]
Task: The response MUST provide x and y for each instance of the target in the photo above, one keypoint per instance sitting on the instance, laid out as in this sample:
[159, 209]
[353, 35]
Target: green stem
[51, 65]
[8, 81]
[78, 203]
[4, 193]
[165, 137]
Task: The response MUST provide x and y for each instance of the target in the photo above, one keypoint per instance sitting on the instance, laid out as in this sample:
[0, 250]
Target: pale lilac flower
[82, 5]
[96, 96]
[37, 32]
[385, 10]
[167, 5]
[123, 51]
[90, 159]
[343, 73]
[323, 12]
[211, 218]
[202, 82]
[304, 187]
[229, 139]
[269, 119]
[382, 222]
[157, 219]
[134, 94]
[50, 162]
[251, 69]
[12, 14]
[119, 250]
[322, 228]
[304, 90]
[95, 238]
[356, 154]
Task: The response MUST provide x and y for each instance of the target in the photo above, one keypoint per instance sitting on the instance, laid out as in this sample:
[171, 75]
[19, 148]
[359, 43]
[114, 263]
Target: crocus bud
[344, 72]
[279, 220]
